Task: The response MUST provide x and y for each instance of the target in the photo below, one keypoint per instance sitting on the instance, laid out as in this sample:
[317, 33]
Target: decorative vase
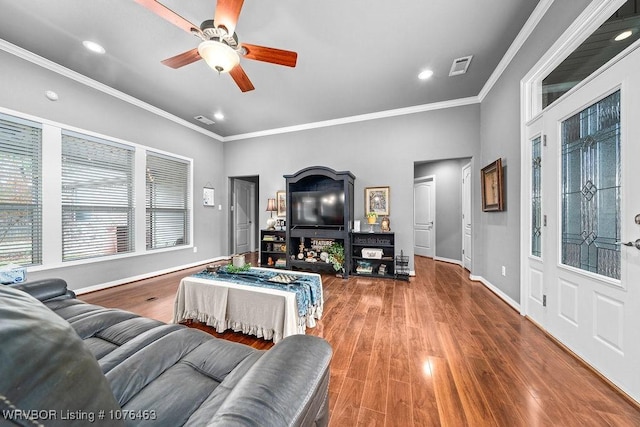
[271, 223]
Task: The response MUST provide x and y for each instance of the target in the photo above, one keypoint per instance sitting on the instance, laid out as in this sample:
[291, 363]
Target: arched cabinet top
[320, 171]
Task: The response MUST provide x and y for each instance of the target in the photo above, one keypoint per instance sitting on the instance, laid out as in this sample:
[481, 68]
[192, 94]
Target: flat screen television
[317, 208]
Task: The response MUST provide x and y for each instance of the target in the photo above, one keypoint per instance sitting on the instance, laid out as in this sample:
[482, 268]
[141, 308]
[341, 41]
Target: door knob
[636, 243]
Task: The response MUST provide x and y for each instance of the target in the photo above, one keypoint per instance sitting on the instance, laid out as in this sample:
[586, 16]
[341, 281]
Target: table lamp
[271, 208]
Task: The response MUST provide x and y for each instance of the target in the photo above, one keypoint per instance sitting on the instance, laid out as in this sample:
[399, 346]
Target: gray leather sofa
[66, 362]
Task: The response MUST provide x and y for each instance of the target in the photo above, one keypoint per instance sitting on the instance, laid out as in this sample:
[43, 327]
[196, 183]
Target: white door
[466, 216]
[424, 208]
[244, 223]
[591, 198]
[534, 223]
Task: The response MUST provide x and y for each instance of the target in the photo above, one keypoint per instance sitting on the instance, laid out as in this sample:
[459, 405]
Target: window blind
[97, 197]
[20, 191]
[167, 201]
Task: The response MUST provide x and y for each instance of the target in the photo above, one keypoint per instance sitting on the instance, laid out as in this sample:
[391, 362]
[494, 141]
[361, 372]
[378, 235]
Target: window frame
[188, 211]
[36, 205]
[99, 205]
[51, 241]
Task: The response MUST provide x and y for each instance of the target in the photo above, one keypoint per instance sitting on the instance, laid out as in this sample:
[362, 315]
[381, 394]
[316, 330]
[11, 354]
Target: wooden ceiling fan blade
[227, 13]
[183, 59]
[168, 14]
[269, 54]
[241, 78]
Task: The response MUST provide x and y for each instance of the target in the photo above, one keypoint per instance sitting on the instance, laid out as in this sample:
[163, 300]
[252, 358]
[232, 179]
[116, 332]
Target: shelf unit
[363, 264]
[319, 178]
[273, 248]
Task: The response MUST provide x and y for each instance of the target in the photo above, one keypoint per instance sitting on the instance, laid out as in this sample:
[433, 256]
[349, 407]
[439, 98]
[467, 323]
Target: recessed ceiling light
[218, 116]
[51, 95]
[426, 74]
[623, 35]
[93, 46]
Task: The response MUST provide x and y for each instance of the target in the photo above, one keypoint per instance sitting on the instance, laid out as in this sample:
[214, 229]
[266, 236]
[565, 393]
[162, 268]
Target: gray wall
[378, 152]
[448, 177]
[499, 242]
[22, 88]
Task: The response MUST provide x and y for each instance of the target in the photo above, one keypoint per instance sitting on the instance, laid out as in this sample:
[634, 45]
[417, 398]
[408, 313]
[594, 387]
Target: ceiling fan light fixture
[219, 56]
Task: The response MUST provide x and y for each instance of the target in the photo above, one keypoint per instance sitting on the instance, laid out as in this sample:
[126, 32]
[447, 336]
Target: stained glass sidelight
[591, 188]
[536, 207]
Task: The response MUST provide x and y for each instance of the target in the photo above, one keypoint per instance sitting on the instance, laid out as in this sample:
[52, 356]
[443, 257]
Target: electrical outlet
[195, 250]
[504, 270]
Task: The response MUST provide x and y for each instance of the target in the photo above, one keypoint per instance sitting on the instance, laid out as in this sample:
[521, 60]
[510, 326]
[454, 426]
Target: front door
[424, 205]
[590, 198]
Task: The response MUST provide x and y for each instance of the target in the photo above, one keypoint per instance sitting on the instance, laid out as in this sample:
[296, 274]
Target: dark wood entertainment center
[319, 212]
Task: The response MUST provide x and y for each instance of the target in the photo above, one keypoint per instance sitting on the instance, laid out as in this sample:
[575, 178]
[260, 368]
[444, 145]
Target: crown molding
[80, 78]
[358, 118]
[517, 44]
[534, 19]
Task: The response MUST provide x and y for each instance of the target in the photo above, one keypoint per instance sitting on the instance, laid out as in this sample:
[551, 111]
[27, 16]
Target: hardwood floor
[438, 350]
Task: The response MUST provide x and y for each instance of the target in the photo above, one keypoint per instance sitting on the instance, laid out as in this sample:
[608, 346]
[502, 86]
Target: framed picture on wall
[491, 181]
[281, 202]
[208, 196]
[376, 199]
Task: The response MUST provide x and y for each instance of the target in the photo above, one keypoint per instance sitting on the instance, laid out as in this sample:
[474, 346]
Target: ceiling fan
[219, 46]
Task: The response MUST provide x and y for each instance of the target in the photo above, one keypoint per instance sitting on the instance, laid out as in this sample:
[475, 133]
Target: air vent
[204, 120]
[460, 65]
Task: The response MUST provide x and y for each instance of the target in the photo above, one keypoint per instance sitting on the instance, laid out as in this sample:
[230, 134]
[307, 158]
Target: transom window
[617, 33]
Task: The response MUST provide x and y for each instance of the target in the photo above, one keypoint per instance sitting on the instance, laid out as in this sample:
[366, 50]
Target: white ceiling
[354, 57]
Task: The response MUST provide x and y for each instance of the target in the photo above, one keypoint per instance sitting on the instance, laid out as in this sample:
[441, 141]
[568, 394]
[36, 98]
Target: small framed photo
[208, 196]
[281, 202]
[376, 199]
[491, 181]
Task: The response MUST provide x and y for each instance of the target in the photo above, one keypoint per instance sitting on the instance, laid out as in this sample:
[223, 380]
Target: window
[612, 37]
[591, 188]
[20, 191]
[167, 201]
[97, 197]
[536, 198]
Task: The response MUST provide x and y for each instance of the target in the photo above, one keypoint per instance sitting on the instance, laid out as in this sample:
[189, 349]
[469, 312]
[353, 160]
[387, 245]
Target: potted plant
[336, 256]
[371, 217]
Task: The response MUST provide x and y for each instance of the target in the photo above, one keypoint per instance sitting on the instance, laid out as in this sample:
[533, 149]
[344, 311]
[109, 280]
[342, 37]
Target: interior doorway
[445, 233]
[243, 231]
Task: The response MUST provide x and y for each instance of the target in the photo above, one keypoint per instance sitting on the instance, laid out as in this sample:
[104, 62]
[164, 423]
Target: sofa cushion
[52, 372]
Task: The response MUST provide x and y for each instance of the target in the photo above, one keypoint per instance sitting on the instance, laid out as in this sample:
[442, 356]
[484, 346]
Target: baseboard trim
[122, 281]
[449, 260]
[506, 298]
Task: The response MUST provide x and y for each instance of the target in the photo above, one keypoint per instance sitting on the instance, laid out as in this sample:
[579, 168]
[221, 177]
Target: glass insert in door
[591, 188]
[536, 198]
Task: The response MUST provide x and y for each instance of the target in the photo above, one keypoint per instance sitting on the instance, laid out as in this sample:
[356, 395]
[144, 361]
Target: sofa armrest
[46, 289]
[287, 386]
